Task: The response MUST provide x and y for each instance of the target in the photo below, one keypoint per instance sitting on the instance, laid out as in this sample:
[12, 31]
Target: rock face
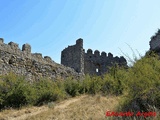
[155, 42]
[31, 65]
[89, 63]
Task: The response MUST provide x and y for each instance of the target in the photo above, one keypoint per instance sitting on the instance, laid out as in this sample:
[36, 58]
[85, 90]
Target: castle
[74, 61]
[89, 63]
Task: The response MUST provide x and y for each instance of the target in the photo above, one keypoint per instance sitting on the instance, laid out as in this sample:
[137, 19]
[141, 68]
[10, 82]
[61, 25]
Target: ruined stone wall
[31, 65]
[99, 64]
[155, 42]
[88, 63]
[73, 56]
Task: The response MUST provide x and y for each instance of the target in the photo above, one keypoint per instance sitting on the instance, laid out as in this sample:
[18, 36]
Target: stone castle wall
[95, 63]
[89, 63]
[155, 42]
[74, 60]
[73, 56]
[31, 65]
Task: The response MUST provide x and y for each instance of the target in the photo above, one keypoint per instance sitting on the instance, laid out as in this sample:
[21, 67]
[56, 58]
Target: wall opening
[97, 70]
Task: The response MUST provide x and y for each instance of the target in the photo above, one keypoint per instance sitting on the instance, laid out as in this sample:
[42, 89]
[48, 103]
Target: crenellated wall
[89, 63]
[96, 63]
[13, 48]
[31, 65]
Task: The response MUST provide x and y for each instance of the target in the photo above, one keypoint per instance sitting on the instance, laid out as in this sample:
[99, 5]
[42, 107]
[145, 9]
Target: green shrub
[140, 84]
[143, 83]
[72, 86]
[15, 91]
[85, 84]
[47, 91]
[114, 81]
[95, 85]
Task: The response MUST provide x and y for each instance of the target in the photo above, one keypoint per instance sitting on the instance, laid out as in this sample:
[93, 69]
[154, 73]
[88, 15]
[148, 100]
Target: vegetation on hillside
[139, 85]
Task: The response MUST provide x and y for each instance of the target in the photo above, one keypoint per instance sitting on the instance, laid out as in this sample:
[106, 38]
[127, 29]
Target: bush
[143, 81]
[86, 84]
[95, 85]
[72, 87]
[47, 91]
[140, 84]
[15, 91]
[114, 81]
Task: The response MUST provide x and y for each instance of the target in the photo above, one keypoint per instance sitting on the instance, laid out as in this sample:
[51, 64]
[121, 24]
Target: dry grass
[79, 108]
[13, 114]
[87, 108]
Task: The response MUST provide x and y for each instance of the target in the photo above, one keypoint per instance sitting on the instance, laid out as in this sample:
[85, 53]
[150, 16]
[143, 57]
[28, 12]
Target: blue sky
[107, 25]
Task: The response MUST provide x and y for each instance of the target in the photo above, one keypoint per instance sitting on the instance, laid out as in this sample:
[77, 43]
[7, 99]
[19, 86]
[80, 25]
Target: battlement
[103, 54]
[1, 40]
[31, 65]
[79, 42]
[89, 52]
[13, 48]
[26, 48]
[88, 63]
[97, 53]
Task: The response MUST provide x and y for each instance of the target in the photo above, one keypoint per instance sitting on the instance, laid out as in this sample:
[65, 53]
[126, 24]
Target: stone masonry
[155, 42]
[31, 65]
[73, 56]
[74, 61]
[89, 63]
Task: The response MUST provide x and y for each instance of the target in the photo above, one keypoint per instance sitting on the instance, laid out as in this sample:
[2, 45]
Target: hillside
[136, 89]
[133, 90]
[83, 107]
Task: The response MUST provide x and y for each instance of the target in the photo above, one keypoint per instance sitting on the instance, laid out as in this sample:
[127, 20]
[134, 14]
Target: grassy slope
[83, 107]
[139, 85]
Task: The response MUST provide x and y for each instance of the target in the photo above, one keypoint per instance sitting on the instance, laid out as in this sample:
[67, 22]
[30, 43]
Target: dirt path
[84, 108]
[66, 103]
[28, 112]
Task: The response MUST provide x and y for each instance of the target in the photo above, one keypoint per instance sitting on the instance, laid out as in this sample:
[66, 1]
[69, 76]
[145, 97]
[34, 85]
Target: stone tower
[89, 63]
[73, 56]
